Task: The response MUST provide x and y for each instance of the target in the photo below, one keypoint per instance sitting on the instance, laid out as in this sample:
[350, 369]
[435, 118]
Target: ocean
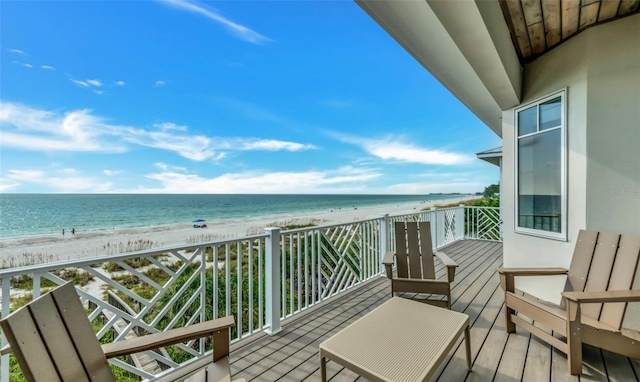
[24, 215]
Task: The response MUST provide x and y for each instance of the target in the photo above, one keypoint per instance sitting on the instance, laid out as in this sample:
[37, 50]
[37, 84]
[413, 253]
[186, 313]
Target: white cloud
[87, 84]
[27, 65]
[66, 180]
[273, 145]
[99, 91]
[194, 147]
[392, 149]
[170, 126]
[79, 130]
[94, 83]
[120, 83]
[82, 84]
[7, 184]
[34, 129]
[340, 180]
[160, 83]
[17, 51]
[111, 172]
[165, 167]
[48, 67]
[240, 31]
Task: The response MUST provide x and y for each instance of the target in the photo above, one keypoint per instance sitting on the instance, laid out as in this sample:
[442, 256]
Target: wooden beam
[628, 6]
[535, 26]
[608, 9]
[551, 17]
[520, 27]
[570, 17]
[589, 15]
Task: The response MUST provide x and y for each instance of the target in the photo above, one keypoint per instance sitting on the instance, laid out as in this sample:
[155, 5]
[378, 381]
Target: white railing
[260, 280]
[483, 223]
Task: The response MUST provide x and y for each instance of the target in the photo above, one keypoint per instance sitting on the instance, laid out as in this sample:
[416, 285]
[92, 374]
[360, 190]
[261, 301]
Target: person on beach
[63, 232]
[73, 231]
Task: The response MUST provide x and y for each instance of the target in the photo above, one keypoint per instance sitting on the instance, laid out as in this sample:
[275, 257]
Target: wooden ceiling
[537, 26]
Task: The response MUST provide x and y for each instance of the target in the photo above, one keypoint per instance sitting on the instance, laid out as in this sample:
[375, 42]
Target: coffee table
[401, 340]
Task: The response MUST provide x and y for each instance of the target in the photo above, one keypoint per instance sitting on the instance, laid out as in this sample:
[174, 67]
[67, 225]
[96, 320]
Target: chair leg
[574, 338]
[508, 285]
[510, 326]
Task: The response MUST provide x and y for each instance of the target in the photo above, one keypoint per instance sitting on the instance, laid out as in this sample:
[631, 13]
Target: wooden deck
[292, 355]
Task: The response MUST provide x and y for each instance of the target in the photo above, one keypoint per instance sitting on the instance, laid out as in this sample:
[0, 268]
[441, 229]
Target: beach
[48, 248]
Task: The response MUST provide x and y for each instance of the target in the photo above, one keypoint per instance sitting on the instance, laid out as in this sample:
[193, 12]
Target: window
[540, 167]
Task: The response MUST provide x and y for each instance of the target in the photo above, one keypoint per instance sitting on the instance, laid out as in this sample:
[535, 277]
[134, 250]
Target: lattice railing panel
[483, 223]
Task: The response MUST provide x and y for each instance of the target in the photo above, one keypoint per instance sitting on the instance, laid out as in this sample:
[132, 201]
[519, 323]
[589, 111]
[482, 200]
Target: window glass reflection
[550, 114]
[540, 181]
[527, 121]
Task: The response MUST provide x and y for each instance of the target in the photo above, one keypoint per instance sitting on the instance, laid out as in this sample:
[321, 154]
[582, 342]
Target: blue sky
[224, 97]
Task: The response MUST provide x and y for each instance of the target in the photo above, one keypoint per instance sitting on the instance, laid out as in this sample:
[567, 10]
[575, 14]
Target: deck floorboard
[292, 355]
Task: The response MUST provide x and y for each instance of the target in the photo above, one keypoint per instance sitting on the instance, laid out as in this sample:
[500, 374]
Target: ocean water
[23, 215]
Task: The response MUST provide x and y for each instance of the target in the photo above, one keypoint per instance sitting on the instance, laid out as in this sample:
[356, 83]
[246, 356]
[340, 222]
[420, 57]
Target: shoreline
[15, 252]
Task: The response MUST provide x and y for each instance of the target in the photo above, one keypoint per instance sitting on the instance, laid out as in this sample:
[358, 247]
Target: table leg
[467, 344]
[323, 368]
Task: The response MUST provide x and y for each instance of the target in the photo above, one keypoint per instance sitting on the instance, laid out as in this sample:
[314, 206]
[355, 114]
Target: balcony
[291, 290]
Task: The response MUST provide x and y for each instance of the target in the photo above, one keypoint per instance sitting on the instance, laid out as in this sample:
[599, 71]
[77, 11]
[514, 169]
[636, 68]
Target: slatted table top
[401, 340]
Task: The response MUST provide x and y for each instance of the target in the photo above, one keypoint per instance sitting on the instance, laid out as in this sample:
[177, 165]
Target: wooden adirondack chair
[53, 340]
[414, 262]
[597, 291]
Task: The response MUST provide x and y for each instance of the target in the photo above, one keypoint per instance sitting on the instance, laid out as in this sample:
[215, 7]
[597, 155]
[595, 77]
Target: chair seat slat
[28, 347]
[426, 248]
[622, 277]
[581, 261]
[401, 250]
[56, 338]
[415, 268]
[600, 270]
[82, 335]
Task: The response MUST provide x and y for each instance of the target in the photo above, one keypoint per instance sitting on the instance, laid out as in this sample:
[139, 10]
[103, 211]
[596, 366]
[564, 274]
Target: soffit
[483, 74]
[537, 26]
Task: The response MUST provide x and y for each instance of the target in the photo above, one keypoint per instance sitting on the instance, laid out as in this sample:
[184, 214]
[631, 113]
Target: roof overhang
[492, 156]
[465, 45]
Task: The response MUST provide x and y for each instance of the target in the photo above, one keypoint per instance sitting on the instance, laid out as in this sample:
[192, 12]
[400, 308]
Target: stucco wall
[603, 136]
[613, 130]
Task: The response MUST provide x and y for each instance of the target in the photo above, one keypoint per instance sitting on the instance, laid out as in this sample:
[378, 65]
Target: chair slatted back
[53, 340]
[414, 253]
[622, 276]
[602, 262]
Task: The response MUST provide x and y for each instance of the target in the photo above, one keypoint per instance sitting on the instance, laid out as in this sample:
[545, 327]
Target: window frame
[562, 235]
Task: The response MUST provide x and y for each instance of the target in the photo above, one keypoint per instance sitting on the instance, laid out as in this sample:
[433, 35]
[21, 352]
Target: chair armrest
[450, 264]
[171, 337]
[507, 275]
[6, 349]
[388, 258]
[601, 297]
[532, 271]
[446, 260]
[387, 261]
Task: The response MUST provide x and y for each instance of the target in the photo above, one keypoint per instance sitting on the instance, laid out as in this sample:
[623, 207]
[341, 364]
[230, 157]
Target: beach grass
[26, 259]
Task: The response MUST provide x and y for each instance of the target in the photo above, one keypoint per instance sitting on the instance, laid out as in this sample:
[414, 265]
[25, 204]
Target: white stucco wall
[601, 70]
[613, 130]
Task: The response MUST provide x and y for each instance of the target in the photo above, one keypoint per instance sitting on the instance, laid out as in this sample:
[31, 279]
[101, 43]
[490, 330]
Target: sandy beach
[15, 252]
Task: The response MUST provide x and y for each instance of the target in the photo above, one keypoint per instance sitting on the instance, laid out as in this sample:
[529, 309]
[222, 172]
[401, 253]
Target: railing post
[384, 235]
[35, 290]
[459, 234]
[272, 275]
[6, 305]
[203, 292]
[434, 228]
